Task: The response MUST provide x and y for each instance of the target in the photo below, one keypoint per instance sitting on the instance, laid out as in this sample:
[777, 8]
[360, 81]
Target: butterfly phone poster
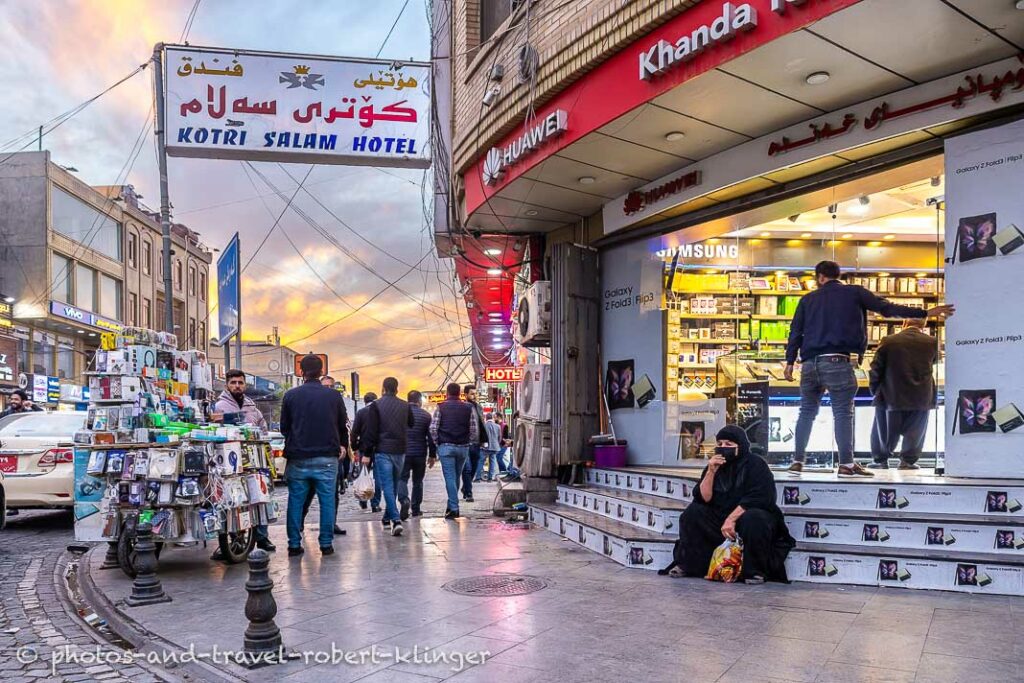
[975, 237]
[974, 410]
[619, 384]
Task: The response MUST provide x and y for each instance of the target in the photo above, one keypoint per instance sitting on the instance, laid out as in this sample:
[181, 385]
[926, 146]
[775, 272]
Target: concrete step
[661, 483]
[624, 543]
[653, 513]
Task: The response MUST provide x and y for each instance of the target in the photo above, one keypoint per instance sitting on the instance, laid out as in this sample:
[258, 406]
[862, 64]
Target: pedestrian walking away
[491, 450]
[358, 427]
[454, 427]
[420, 453]
[315, 425]
[233, 401]
[384, 440]
[903, 386]
[829, 335]
[469, 472]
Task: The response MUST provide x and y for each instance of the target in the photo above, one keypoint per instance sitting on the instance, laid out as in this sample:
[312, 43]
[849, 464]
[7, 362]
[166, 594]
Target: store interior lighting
[675, 136]
[818, 77]
[494, 272]
[492, 251]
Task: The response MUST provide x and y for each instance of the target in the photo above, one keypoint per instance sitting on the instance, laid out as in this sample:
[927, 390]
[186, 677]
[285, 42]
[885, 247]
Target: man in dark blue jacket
[384, 439]
[829, 333]
[454, 428]
[315, 426]
[419, 448]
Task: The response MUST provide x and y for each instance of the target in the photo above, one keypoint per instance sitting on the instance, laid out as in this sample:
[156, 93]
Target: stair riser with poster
[608, 505]
[892, 535]
[965, 500]
[894, 571]
[647, 554]
[676, 488]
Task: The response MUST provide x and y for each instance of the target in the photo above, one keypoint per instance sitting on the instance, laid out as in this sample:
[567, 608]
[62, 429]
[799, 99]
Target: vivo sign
[664, 56]
[499, 159]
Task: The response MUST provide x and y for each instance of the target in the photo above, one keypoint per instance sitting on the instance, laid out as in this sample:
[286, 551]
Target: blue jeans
[320, 474]
[387, 470]
[492, 458]
[453, 462]
[375, 501]
[469, 470]
[835, 375]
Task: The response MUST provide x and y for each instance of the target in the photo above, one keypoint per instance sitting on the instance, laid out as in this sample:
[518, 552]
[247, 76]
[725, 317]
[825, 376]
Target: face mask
[727, 452]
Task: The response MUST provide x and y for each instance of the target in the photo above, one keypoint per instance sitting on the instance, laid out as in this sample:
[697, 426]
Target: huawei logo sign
[493, 167]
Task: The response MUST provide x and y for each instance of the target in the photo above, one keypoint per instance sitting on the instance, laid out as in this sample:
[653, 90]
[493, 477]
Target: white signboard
[984, 276]
[228, 104]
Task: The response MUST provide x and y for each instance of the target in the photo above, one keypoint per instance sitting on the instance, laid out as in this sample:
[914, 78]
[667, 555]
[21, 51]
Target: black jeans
[469, 471]
[700, 532]
[415, 466]
[890, 425]
[337, 496]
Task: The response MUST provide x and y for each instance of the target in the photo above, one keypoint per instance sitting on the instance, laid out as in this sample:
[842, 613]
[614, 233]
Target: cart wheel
[235, 547]
[126, 552]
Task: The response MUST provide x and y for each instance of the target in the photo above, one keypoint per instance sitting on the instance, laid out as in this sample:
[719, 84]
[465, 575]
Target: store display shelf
[772, 292]
[771, 317]
[696, 366]
[872, 319]
[718, 292]
[713, 316]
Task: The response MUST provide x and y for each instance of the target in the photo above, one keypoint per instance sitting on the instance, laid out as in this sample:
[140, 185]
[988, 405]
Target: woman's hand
[715, 462]
[729, 529]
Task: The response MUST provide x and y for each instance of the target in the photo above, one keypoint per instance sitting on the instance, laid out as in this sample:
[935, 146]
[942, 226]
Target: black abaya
[747, 482]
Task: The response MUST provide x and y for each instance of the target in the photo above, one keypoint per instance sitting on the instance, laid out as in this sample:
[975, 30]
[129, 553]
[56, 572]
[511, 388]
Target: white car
[37, 459]
[277, 450]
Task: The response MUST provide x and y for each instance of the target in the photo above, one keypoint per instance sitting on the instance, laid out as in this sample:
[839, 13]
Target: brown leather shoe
[796, 468]
[854, 470]
[908, 466]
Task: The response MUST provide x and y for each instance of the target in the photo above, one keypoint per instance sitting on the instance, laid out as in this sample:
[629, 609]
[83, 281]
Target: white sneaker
[396, 528]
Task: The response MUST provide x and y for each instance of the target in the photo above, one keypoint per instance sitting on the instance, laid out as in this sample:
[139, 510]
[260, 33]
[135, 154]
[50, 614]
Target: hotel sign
[503, 374]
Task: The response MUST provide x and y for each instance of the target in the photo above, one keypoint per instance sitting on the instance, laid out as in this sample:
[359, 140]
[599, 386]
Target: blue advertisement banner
[229, 289]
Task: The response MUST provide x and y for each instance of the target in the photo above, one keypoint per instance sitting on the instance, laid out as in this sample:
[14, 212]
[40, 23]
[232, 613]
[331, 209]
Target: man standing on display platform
[829, 333]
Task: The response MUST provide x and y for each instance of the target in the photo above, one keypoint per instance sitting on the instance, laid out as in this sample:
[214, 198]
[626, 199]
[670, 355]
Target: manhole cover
[496, 585]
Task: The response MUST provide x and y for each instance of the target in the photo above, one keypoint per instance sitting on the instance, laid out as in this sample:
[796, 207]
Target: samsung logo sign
[701, 251]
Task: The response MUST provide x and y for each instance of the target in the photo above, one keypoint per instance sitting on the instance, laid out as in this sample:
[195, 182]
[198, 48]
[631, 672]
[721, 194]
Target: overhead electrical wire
[392, 29]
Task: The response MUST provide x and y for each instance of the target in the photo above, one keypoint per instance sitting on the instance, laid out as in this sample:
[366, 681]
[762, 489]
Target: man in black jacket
[453, 428]
[829, 332]
[384, 441]
[315, 426]
[469, 472]
[420, 453]
[904, 390]
[358, 427]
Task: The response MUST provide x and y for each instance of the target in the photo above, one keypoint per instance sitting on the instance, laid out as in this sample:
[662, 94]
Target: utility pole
[40, 138]
[165, 202]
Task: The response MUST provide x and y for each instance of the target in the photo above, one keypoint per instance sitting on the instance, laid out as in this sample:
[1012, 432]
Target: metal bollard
[262, 638]
[110, 559]
[146, 588]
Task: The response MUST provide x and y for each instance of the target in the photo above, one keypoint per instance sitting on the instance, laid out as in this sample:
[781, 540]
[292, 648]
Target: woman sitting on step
[735, 497]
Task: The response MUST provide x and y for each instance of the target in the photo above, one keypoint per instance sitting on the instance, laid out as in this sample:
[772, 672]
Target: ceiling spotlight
[889, 237]
[494, 272]
[674, 136]
[874, 244]
[9, 299]
[492, 251]
[766, 234]
[794, 218]
[532, 212]
[494, 315]
[491, 95]
[587, 180]
[847, 235]
[517, 246]
[805, 235]
[81, 331]
[470, 304]
[864, 200]
[818, 77]
[832, 208]
[937, 180]
[495, 288]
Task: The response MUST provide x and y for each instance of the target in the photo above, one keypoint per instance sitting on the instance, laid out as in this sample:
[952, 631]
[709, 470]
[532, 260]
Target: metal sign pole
[165, 202]
[238, 306]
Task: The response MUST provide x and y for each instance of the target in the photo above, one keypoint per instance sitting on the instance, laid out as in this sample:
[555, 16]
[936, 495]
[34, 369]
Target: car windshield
[42, 424]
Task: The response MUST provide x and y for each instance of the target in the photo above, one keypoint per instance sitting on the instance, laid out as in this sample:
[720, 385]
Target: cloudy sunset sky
[58, 53]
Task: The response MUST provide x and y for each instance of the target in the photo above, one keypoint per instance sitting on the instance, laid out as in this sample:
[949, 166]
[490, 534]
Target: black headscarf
[737, 436]
[745, 480]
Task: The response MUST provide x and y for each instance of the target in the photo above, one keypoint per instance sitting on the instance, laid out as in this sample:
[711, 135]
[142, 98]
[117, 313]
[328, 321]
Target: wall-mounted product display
[986, 336]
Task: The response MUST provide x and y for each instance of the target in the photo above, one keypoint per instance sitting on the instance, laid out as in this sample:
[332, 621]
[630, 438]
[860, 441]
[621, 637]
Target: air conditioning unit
[533, 322]
[532, 451]
[535, 393]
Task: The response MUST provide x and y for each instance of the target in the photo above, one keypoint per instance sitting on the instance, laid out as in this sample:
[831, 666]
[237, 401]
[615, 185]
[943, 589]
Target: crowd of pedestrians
[394, 438]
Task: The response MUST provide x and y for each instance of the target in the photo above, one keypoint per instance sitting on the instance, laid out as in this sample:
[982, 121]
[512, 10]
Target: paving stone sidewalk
[596, 621]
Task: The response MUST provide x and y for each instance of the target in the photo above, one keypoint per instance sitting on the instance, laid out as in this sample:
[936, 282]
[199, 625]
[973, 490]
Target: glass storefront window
[85, 287]
[60, 277]
[84, 224]
[43, 345]
[65, 358]
[110, 297]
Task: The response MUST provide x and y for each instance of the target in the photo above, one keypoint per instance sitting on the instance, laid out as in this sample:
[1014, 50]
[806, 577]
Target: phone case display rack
[710, 315]
[147, 454]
